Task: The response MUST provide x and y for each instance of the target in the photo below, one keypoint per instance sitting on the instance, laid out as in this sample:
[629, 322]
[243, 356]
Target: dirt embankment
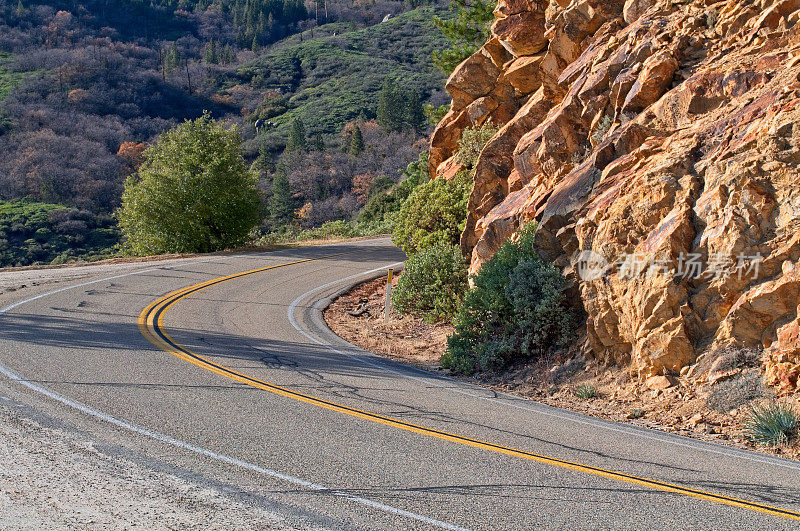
[709, 405]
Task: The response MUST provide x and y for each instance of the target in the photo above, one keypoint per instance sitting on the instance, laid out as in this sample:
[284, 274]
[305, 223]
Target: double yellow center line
[151, 325]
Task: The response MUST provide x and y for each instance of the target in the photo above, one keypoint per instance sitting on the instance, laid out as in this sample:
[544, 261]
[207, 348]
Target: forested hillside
[85, 86]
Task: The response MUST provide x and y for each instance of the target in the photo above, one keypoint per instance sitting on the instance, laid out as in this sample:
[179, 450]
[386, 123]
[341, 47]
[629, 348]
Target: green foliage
[435, 114]
[273, 104]
[356, 142]
[384, 202]
[433, 283]
[772, 423]
[467, 30]
[210, 54]
[399, 108]
[281, 203]
[193, 193]
[435, 212]
[586, 391]
[297, 136]
[9, 78]
[471, 143]
[43, 233]
[329, 230]
[172, 59]
[516, 311]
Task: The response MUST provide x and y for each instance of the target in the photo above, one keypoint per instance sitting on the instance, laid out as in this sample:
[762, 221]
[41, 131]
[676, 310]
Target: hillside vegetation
[85, 86]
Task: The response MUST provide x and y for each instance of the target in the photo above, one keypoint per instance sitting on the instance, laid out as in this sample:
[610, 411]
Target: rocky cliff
[657, 145]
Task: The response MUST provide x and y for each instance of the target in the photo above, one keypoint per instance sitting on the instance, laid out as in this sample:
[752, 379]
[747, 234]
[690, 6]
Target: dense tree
[193, 193]
[282, 203]
[297, 137]
[356, 142]
[399, 108]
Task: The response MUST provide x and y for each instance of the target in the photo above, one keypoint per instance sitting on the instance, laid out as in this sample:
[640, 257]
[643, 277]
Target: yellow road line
[151, 325]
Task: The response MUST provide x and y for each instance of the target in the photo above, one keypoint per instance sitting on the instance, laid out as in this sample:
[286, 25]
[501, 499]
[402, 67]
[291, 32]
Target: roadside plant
[516, 311]
[433, 283]
[586, 391]
[636, 413]
[772, 423]
[435, 212]
[193, 193]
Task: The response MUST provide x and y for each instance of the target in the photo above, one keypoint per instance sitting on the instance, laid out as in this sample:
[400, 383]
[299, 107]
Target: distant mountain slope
[332, 79]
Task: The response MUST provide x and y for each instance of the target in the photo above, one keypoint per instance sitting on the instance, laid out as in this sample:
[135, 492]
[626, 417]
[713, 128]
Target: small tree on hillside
[399, 108]
[297, 137]
[356, 142]
[193, 193]
[282, 203]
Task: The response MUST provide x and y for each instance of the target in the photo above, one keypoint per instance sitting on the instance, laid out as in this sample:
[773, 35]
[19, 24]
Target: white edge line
[431, 380]
[198, 449]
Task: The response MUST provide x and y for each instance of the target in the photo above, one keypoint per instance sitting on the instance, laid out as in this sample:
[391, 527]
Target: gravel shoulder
[54, 478]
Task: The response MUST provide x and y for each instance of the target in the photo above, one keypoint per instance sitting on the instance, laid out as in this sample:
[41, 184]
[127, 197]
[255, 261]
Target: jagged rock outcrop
[658, 141]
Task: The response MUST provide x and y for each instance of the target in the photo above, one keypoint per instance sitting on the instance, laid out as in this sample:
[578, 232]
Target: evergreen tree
[255, 46]
[399, 108]
[20, 9]
[390, 106]
[172, 59]
[467, 31]
[356, 142]
[413, 111]
[347, 137]
[318, 144]
[297, 137]
[281, 204]
[210, 53]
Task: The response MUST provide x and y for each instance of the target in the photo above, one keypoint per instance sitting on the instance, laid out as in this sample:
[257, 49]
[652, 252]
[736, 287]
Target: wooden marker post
[388, 296]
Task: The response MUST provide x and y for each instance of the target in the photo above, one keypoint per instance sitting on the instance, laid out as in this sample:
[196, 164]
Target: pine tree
[356, 142]
[297, 137]
[20, 9]
[255, 46]
[281, 204]
[318, 144]
[467, 31]
[347, 137]
[413, 112]
[390, 106]
[210, 54]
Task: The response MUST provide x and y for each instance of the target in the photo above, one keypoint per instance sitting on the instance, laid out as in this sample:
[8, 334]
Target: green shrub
[772, 423]
[433, 283]
[435, 212]
[516, 311]
[472, 142]
[586, 391]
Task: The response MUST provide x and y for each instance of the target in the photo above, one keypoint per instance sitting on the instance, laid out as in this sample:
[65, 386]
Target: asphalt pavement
[222, 368]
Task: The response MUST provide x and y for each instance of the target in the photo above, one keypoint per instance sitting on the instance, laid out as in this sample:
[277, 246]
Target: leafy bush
[515, 311]
[433, 283]
[435, 212]
[772, 423]
[472, 142]
[193, 193]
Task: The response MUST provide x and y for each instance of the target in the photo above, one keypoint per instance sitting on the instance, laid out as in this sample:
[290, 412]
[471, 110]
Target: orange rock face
[657, 141]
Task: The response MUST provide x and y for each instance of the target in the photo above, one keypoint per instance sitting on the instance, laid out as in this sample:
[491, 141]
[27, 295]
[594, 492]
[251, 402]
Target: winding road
[221, 366]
